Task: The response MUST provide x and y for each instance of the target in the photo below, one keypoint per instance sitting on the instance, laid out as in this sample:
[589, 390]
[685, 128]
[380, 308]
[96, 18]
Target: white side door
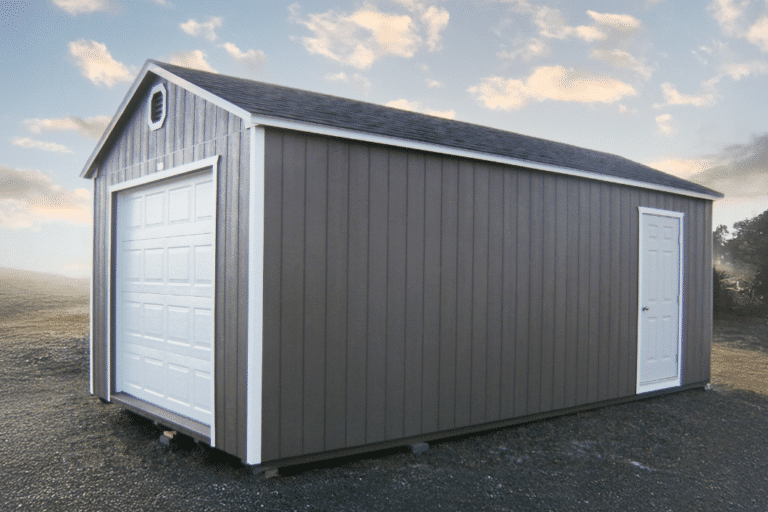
[164, 294]
[660, 300]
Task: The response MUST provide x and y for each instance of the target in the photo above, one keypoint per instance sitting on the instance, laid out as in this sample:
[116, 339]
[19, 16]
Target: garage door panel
[179, 323]
[164, 278]
[154, 208]
[204, 270]
[176, 340]
[179, 205]
[205, 205]
[179, 264]
[202, 392]
[154, 320]
[154, 376]
[203, 331]
[179, 384]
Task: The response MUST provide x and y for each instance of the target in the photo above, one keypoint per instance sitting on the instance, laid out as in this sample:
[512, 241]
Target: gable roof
[275, 105]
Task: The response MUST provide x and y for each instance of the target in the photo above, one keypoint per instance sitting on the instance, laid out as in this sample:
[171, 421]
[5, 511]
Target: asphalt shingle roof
[290, 104]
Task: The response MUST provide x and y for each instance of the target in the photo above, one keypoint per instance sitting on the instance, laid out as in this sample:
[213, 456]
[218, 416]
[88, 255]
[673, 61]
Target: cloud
[758, 33]
[415, 106]
[731, 18]
[552, 24]
[621, 58]
[623, 109]
[361, 38]
[681, 167]
[436, 19]
[526, 51]
[664, 123]
[29, 197]
[75, 7]
[91, 128]
[740, 170]
[727, 15]
[52, 147]
[434, 83]
[96, 63]
[606, 26]
[253, 59]
[739, 70]
[357, 80]
[673, 97]
[194, 59]
[549, 83]
[619, 22]
[207, 29]
[611, 33]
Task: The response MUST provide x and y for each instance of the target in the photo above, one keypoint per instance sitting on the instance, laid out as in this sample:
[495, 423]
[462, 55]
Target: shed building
[289, 276]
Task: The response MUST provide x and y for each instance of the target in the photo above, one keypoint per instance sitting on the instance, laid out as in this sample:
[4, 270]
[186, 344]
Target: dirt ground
[740, 354]
[61, 449]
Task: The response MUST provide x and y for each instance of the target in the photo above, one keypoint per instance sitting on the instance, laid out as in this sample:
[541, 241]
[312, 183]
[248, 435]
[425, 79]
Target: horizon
[669, 86]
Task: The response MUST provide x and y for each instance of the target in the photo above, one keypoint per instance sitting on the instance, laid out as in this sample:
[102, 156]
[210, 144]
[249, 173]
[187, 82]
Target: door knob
[646, 308]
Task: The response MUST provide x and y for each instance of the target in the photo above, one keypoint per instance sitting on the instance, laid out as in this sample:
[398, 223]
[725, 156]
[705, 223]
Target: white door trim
[681, 244]
[112, 190]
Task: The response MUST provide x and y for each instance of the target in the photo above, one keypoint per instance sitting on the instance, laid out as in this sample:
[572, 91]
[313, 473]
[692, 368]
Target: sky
[681, 86]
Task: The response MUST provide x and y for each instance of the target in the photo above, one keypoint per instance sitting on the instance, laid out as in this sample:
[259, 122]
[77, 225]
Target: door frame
[186, 425]
[642, 210]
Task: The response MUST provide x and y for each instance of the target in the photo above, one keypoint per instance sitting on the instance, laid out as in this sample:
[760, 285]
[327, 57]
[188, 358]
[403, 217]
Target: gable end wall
[194, 129]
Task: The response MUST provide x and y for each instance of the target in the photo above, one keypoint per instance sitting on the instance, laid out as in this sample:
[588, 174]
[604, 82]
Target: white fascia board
[207, 96]
[477, 155]
[87, 171]
[255, 296]
[151, 67]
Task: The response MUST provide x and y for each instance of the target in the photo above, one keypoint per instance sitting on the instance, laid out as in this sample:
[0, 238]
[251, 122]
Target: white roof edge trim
[477, 155]
[87, 169]
[148, 67]
[207, 96]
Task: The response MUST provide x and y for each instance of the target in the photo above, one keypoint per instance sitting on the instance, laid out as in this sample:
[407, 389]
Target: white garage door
[164, 271]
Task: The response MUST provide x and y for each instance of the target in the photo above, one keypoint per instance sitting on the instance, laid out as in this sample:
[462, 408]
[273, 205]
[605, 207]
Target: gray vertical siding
[407, 292]
[193, 130]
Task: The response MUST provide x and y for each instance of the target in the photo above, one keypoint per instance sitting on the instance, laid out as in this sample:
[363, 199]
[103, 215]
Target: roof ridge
[317, 112]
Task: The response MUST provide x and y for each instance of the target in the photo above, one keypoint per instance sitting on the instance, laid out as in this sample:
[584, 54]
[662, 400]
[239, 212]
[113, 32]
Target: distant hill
[25, 291]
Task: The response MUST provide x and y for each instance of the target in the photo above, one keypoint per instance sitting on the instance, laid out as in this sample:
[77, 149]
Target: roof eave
[477, 155]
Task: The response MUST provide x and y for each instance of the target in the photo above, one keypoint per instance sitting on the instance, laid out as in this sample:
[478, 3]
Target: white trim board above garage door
[165, 291]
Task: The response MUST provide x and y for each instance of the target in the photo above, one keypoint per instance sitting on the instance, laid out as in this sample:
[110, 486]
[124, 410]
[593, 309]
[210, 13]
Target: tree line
[741, 268]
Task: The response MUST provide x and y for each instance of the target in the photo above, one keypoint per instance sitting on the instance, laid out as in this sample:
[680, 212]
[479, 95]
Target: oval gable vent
[156, 107]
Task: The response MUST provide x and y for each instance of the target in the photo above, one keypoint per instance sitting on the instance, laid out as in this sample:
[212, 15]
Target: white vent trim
[158, 89]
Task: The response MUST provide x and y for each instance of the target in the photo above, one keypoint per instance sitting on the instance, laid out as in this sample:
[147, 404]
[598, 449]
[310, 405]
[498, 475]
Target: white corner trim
[90, 331]
[465, 153]
[642, 210]
[108, 278]
[255, 295]
[90, 299]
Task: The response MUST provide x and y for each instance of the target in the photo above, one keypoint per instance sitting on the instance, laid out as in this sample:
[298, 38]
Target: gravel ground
[61, 449]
